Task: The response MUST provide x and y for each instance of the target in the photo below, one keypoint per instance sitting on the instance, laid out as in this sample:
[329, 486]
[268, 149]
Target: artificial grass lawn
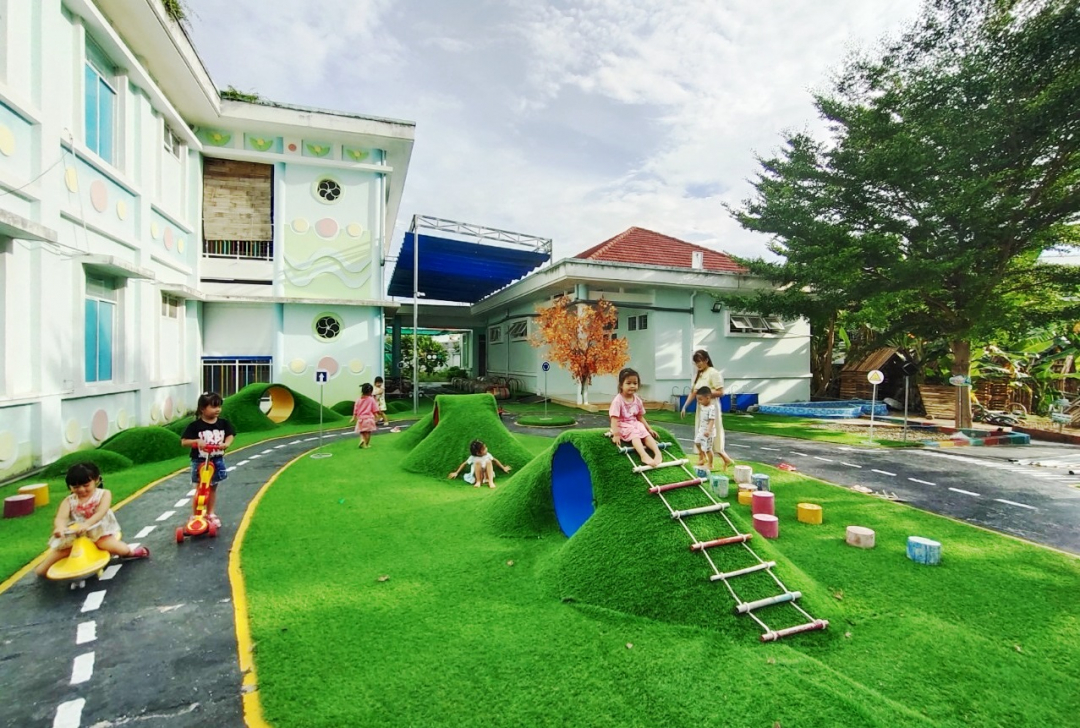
[456, 636]
[23, 539]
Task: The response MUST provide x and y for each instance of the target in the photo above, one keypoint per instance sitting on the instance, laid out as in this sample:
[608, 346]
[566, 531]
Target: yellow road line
[253, 713]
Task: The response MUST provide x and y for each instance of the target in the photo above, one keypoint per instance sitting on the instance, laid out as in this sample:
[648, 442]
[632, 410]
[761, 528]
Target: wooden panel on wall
[237, 200]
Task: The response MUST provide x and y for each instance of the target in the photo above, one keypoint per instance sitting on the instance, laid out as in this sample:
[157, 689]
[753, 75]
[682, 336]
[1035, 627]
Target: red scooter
[199, 524]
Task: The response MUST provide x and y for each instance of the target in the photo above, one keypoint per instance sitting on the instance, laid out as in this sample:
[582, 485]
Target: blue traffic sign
[322, 376]
[545, 366]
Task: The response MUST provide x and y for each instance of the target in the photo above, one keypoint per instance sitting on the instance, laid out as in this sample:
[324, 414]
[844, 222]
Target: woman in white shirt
[706, 375]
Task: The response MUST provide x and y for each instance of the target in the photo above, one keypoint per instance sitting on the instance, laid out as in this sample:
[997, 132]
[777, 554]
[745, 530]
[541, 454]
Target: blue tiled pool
[845, 410]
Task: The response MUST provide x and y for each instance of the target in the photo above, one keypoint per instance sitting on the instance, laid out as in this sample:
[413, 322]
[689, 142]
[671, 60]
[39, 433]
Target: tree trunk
[961, 352]
[821, 368]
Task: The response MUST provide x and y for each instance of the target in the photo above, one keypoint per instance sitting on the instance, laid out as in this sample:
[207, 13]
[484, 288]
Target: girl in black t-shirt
[209, 428]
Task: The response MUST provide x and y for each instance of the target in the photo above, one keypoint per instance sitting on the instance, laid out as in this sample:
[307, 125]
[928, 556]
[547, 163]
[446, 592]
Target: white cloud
[572, 120]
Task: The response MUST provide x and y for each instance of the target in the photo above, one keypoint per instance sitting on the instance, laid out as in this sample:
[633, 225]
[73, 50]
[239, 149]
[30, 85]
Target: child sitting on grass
[86, 511]
[480, 466]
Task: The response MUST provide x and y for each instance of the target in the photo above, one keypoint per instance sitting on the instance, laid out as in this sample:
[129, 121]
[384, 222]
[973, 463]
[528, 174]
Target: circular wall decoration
[356, 366]
[73, 431]
[167, 408]
[330, 364]
[328, 190]
[180, 245]
[99, 195]
[168, 238]
[297, 366]
[327, 326]
[327, 228]
[155, 231]
[122, 419]
[71, 179]
[99, 425]
[300, 225]
[7, 141]
[121, 209]
[354, 230]
[155, 412]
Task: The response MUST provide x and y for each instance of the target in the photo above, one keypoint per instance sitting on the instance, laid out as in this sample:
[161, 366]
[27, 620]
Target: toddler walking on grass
[364, 413]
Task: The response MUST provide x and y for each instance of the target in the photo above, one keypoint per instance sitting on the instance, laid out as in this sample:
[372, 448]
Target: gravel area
[885, 432]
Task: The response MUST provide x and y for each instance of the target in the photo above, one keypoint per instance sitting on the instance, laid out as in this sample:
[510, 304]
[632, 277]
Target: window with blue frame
[100, 102]
[101, 302]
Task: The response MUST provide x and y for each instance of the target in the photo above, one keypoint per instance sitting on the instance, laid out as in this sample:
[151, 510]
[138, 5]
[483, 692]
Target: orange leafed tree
[580, 339]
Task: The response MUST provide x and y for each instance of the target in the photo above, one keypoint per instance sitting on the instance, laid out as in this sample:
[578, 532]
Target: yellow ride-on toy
[85, 560]
[199, 524]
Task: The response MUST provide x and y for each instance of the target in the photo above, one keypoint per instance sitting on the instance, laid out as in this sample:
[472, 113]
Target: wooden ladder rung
[673, 486]
[767, 602]
[702, 545]
[665, 464]
[699, 511]
[740, 572]
[773, 635]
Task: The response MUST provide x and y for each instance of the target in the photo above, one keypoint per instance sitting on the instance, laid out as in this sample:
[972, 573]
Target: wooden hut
[853, 381]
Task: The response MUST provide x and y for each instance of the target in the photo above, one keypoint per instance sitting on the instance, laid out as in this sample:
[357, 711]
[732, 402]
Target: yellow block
[745, 497]
[808, 513]
[40, 491]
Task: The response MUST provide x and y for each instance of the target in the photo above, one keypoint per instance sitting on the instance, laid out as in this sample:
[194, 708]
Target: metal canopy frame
[464, 229]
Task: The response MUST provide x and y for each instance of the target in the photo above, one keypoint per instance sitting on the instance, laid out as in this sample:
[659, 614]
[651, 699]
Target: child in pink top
[363, 413]
[627, 413]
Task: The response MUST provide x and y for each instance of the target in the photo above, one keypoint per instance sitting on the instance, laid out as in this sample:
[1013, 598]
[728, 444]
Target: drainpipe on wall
[693, 326]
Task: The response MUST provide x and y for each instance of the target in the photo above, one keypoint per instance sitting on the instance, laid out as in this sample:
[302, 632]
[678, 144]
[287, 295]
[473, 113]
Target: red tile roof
[645, 247]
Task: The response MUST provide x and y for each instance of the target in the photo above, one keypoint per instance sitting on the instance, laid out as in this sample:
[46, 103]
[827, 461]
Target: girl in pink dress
[627, 413]
[364, 412]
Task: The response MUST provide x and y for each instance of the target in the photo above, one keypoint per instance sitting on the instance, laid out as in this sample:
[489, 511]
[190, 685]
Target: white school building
[156, 238]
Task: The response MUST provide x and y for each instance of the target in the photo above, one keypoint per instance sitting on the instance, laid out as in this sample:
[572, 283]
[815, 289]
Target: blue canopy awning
[454, 270]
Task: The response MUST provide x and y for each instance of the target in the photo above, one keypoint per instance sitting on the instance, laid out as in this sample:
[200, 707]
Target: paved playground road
[155, 643]
[996, 488]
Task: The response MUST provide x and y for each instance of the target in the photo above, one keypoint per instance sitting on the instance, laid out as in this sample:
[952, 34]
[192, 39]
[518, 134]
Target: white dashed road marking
[965, 492]
[83, 668]
[190, 494]
[306, 439]
[86, 632]
[850, 465]
[93, 601]
[818, 457]
[924, 482]
[774, 449]
[110, 571]
[1014, 503]
[800, 454]
[278, 447]
[166, 515]
[253, 457]
[145, 532]
[69, 714]
[295, 442]
[181, 503]
[242, 462]
[883, 472]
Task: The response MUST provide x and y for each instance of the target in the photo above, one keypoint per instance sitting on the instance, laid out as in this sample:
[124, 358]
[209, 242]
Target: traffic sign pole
[875, 377]
[545, 366]
[321, 376]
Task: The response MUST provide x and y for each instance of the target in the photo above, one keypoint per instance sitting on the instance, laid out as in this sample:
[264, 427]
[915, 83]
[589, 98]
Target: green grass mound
[632, 557]
[344, 407]
[107, 460]
[242, 410]
[462, 419]
[395, 406]
[550, 421]
[145, 444]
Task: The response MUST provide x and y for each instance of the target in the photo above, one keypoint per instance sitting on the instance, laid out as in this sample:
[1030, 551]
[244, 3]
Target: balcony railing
[239, 249]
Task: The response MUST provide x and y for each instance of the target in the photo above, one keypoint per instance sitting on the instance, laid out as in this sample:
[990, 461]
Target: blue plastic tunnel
[571, 488]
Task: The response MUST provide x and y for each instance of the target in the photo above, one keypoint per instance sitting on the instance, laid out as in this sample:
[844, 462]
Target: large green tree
[953, 162]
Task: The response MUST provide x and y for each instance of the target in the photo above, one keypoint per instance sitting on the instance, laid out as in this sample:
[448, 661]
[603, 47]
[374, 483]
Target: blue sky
[571, 120]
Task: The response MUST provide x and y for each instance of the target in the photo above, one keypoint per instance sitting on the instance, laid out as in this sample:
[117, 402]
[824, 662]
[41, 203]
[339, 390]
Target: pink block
[762, 501]
[767, 525]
